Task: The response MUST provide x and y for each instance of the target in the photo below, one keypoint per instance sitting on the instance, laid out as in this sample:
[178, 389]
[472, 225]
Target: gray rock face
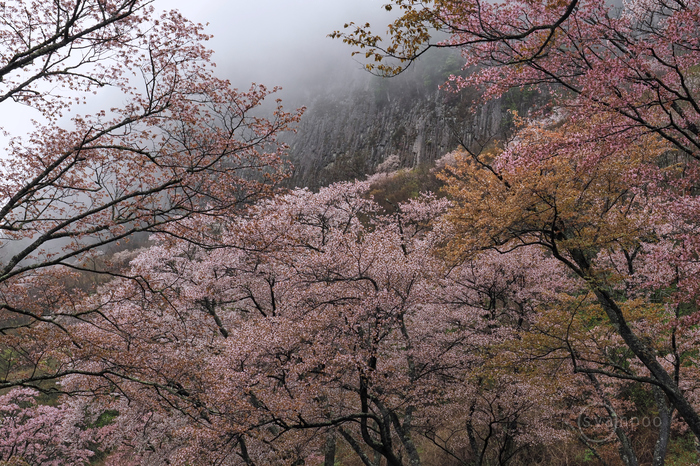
[348, 133]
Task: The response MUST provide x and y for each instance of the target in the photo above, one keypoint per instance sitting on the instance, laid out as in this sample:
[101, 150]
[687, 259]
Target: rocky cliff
[406, 121]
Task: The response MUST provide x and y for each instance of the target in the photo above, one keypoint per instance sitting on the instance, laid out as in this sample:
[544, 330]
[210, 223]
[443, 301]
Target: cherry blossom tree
[636, 62]
[33, 433]
[314, 316]
[182, 142]
[617, 75]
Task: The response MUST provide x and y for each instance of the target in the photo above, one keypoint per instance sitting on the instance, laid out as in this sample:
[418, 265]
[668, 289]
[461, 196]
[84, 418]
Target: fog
[283, 42]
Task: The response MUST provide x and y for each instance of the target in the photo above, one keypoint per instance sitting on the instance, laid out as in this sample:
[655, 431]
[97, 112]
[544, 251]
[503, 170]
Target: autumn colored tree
[182, 142]
[601, 212]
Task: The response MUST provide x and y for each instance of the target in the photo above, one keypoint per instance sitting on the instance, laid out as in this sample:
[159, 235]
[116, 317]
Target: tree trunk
[358, 449]
[665, 414]
[643, 351]
[329, 459]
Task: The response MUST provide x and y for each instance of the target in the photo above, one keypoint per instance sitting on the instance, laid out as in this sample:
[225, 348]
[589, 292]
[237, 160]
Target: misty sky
[280, 42]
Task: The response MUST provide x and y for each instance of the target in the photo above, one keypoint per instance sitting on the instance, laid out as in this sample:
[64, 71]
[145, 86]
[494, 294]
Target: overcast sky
[280, 42]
